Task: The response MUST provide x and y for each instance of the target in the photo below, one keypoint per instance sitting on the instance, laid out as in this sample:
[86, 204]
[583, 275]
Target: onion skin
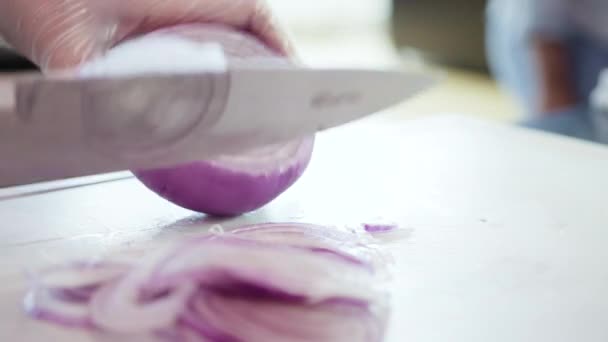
[379, 228]
[208, 186]
[204, 187]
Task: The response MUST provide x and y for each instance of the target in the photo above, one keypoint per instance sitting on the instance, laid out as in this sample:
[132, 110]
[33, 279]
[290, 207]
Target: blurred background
[549, 54]
[443, 35]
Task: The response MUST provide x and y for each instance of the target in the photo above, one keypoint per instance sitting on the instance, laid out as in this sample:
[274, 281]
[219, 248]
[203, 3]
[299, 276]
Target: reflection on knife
[55, 128]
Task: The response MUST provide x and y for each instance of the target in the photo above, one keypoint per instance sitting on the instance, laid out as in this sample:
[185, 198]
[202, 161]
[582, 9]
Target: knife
[54, 128]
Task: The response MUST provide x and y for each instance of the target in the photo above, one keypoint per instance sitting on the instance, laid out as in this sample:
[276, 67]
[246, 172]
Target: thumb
[55, 34]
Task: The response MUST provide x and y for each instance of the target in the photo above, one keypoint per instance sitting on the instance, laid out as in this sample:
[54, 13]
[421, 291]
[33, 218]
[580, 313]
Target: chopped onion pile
[272, 282]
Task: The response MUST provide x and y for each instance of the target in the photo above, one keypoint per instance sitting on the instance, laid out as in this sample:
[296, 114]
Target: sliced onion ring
[258, 283]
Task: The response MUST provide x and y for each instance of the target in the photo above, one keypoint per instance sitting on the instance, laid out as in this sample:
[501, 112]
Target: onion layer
[274, 282]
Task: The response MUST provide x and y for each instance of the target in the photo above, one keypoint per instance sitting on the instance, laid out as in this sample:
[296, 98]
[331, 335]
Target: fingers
[60, 34]
[54, 33]
[139, 16]
[265, 24]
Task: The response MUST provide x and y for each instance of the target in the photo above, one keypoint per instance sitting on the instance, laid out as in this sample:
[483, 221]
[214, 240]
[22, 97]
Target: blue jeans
[512, 64]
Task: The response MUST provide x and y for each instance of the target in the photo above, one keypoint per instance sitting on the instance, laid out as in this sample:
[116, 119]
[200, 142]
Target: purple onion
[228, 188]
[379, 228]
[232, 185]
[259, 283]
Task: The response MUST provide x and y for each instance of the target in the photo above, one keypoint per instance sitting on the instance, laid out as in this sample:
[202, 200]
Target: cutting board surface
[505, 230]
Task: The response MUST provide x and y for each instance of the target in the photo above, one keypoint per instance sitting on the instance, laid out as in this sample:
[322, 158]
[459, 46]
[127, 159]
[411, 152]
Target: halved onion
[229, 185]
[258, 283]
[232, 185]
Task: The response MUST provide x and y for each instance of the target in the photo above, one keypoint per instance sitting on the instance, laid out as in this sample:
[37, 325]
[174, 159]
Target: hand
[61, 34]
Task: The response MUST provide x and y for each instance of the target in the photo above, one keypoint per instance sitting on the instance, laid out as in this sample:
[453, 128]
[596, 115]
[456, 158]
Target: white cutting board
[507, 229]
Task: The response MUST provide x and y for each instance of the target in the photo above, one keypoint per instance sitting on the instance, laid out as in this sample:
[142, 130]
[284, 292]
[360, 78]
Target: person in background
[61, 34]
[549, 55]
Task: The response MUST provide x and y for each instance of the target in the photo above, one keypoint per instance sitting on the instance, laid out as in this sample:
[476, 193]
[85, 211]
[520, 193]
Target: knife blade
[57, 128]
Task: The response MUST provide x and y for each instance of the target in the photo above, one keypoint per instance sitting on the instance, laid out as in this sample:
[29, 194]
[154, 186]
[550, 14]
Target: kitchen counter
[505, 229]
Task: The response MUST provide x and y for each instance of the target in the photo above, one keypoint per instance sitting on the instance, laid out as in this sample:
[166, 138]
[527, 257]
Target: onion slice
[268, 282]
[276, 321]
